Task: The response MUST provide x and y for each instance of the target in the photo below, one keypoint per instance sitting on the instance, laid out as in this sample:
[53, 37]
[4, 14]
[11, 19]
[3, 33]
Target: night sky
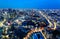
[36, 4]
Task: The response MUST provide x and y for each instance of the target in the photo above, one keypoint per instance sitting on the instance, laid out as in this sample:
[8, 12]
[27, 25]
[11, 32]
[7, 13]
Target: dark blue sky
[41, 4]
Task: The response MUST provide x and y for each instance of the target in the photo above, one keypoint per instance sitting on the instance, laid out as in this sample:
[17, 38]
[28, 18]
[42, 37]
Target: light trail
[54, 25]
[35, 30]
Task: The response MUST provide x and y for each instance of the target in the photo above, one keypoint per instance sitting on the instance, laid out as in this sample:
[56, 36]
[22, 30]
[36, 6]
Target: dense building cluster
[29, 24]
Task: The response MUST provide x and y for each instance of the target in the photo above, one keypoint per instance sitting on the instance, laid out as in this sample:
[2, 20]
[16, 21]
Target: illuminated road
[1, 23]
[50, 24]
[35, 30]
[47, 18]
